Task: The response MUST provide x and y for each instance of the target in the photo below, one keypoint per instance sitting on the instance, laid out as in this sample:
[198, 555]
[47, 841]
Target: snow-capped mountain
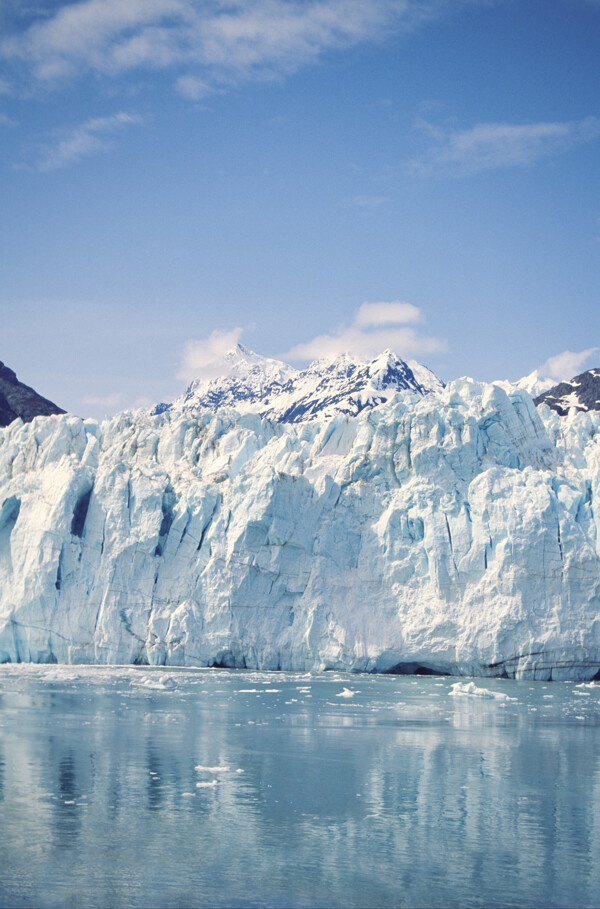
[582, 393]
[19, 400]
[455, 532]
[243, 381]
[250, 383]
[534, 384]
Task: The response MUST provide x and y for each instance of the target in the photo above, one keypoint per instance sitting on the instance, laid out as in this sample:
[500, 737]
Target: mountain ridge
[343, 384]
[581, 392]
[20, 400]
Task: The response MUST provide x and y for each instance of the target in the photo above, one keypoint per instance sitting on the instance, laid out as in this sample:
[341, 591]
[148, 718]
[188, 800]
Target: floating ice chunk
[470, 689]
[167, 681]
[188, 795]
[207, 785]
[57, 676]
[164, 683]
[201, 768]
[346, 693]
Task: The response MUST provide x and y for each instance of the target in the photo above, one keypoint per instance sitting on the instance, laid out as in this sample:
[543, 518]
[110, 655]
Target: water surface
[243, 789]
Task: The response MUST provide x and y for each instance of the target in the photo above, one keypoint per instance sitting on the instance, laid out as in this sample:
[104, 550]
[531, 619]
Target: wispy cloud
[375, 327]
[488, 146]
[88, 138]
[111, 403]
[193, 88]
[372, 315]
[567, 364]
[218, 43]
[203, 358]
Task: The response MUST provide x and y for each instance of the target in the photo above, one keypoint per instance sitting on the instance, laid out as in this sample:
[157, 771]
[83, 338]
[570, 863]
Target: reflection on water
[254, 789]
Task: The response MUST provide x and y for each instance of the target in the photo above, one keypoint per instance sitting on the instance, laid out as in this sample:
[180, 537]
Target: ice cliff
[454, 533]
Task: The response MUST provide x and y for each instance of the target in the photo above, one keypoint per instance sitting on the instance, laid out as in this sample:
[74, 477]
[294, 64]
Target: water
[254, 789]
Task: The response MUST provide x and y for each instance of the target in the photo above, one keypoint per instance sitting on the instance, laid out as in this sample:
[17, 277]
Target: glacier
[454, 533]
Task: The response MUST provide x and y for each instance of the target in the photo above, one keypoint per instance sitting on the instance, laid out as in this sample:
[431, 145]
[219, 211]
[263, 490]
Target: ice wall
[457, 534]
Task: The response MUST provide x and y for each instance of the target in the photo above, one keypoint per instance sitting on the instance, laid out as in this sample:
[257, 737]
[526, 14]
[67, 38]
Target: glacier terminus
[452, 530]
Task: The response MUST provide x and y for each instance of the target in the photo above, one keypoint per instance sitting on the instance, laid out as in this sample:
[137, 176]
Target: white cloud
[86, 139]
[192, 88]
[488, 146]
[567, 364]
[218, 43]
[106, 405]
[202, 359]
[396, 313]
[366, 337]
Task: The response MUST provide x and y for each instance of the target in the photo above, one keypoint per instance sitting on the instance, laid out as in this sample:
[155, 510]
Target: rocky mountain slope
[582, 392]
[250, 383]
[19, 400]
[457, 533]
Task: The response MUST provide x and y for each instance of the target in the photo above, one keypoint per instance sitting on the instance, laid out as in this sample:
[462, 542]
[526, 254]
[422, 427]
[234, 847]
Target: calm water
[254, 789]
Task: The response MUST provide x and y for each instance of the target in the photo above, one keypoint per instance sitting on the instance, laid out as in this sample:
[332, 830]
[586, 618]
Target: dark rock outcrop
[582, 392]
[19, 400]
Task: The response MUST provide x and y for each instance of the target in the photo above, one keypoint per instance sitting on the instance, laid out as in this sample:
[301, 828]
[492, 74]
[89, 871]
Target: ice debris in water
[60, 676]
[207, 785]
[470, 689]
[346, 693]
[201, 768]
[164, 683]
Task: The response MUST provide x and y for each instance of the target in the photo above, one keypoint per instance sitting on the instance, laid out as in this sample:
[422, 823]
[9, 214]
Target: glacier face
[457, 533]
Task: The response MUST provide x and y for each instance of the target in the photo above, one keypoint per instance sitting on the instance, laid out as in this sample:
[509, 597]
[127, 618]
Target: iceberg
[454, 533]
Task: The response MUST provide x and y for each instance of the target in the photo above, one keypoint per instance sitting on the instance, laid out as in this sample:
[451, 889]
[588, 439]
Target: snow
[571, 400]
[341, 384]
[458, 532]
[533, 384]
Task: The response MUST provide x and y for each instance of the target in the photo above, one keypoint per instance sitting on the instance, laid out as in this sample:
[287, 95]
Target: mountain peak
[241, 352]
[341, 384]
[581, 392]
[19, 400]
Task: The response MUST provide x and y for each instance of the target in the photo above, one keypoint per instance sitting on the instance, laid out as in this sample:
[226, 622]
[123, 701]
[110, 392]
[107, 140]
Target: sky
[304, 176]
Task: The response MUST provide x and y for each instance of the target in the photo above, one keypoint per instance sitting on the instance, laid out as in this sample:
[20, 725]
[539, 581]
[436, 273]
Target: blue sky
[176, 175]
